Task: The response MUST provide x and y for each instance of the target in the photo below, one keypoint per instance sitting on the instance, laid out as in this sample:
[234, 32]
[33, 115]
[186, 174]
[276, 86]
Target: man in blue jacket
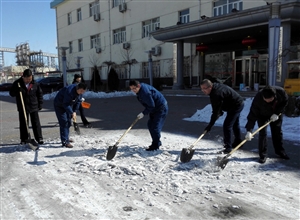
[155, 105]
[67, 99]
[224, 98]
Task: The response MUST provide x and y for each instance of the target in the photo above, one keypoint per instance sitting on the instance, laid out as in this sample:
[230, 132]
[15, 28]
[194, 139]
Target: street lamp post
[64, 64]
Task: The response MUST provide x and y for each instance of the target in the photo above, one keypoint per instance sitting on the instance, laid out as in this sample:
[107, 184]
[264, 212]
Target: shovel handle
[244, 141]
[201, 136]
[133, 123]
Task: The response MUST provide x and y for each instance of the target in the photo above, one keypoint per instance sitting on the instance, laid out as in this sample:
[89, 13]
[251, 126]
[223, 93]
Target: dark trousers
[155, 123]
[35, 123]
[64, 120]
[276, 133]
[83, 118]
[232, 123]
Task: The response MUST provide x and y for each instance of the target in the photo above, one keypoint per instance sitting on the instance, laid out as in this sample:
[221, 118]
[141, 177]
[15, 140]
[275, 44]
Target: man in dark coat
[77, 79]
[224, 98]
[268, 104]
[66, 103]
[33, 102]
[155, 105]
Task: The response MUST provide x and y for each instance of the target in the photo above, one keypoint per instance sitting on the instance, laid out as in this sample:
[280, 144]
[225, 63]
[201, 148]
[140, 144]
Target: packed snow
[79, 183]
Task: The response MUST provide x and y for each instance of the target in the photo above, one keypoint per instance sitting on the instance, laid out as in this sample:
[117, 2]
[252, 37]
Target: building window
[95, 41]
[94, 8]
[80, 45]
[69, 18]
[119, 35]
[79, 17]
[184, 16]
[70, 47]
[155, 69]
[150, 25]
[117, 3]
[223, 7]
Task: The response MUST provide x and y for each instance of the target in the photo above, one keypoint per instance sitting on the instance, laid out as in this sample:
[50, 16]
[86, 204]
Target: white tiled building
[119, 31]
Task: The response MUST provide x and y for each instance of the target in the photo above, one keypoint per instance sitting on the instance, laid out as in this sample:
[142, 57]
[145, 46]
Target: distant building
[188, 40]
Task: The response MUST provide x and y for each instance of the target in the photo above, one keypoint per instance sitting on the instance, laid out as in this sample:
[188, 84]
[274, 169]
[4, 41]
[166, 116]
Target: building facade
[183, 41]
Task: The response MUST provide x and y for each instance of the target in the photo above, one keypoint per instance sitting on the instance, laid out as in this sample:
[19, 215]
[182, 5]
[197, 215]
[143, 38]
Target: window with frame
[80, 45]
[223, 7]
[117, 3]
[184, 16]
[119, 35]
[69, 18]
[150, 25]
[155, 69]
[79, 17]
[94, 8]
[70, 47]
[95, 41]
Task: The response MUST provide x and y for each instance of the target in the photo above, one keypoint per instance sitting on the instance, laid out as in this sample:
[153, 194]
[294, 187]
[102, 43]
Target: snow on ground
[79, 183]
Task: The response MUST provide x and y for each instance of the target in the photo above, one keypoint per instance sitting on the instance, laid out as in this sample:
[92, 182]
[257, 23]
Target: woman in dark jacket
[77, 79]
[33, 101]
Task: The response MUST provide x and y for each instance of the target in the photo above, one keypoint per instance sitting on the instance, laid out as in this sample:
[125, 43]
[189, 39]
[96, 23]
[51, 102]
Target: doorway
[250, 70]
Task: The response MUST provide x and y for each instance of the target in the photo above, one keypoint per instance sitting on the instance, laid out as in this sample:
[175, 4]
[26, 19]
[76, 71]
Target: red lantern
[201, 48]
[249, 41]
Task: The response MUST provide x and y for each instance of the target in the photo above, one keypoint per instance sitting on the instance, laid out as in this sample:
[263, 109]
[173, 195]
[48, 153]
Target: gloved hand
[82, 99]
[274, 117]
[140, 116]
[248, 136]
[208, 128]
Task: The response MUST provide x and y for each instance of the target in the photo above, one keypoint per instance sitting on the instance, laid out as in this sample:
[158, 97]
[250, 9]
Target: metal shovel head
[186, 155]
[76, 128]
[111, 152]
[222, 162]
[32, 144]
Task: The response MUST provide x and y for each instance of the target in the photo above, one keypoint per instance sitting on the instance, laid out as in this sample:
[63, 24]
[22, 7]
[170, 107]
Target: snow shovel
[222, 161]
[76, 127]
[187, 153]
[31, 142]
[112, 150]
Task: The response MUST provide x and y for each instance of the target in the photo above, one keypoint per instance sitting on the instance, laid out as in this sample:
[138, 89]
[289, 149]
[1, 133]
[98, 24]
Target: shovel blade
[76, 128]
[222, 162]
[186, 155]
[112, 150]
[32, 144]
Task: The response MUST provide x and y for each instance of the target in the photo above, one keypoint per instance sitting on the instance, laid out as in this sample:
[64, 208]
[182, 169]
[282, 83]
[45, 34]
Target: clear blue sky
[31, 21]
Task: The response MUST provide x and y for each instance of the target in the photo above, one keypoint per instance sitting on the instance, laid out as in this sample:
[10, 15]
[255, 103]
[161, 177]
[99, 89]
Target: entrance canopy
[225, 33]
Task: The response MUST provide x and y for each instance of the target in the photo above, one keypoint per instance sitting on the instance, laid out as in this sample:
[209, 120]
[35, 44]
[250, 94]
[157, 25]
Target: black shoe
[152, 148]
[227, 150]
[283, 155]
[262, 159]
[41, 141]
[87, 125]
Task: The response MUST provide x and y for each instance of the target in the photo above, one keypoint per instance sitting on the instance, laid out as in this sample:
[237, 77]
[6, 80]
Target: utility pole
[64, 64]
[274, 34]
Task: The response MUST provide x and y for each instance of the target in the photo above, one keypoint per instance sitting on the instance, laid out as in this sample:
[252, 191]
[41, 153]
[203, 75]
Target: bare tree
[126, 54]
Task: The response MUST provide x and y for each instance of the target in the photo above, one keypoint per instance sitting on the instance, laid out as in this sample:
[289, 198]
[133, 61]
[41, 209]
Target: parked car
[5, 86]
[51, 84]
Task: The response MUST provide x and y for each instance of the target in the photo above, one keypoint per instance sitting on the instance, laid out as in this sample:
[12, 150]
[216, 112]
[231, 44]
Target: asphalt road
[119, 113]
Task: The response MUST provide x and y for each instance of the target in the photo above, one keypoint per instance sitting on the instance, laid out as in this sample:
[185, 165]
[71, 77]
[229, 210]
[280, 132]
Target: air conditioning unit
[97, 17]
[156, 50]
[122, 7]
[98, 50]
[126, 46]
